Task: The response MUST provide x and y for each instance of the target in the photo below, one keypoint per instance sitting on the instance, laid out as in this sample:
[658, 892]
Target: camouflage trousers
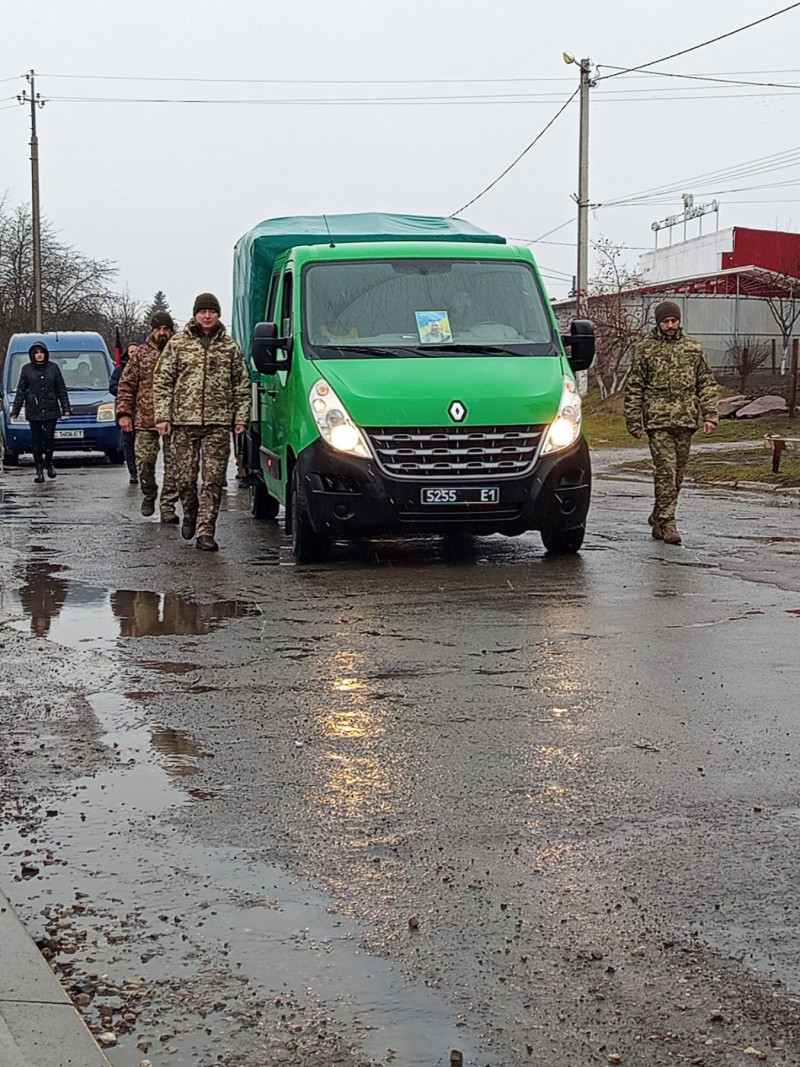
[146, 447]
[670, 452]
[189, 444]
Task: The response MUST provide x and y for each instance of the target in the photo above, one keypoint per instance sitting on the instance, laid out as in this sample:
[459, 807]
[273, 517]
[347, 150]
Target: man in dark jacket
[129, 436]
[41, 388]
[669, 392]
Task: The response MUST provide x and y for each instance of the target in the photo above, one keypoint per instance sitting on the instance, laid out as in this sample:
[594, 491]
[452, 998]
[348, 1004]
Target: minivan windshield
[424, 307]
[81, 370]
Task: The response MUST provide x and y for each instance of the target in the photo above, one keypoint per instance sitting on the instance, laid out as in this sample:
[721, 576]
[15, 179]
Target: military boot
[51, 471]
[670, 534]
[148, 506]
[39, 473]
[655, 527]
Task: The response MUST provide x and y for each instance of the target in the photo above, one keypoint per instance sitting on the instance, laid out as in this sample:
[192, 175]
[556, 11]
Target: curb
[39, 1025]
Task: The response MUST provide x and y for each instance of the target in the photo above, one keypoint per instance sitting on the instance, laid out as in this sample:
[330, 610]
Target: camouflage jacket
[202, 381]
[669, 385]
[135, 389]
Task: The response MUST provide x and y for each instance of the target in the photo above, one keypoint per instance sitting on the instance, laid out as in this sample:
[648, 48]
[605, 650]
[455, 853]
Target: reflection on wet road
[85, 616]
[556, 768]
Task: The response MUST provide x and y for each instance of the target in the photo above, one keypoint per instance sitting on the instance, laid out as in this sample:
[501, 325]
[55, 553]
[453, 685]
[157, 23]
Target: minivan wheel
[308, 546]
[262, 505]
[563, 542]
[116, 456]
[11, 459]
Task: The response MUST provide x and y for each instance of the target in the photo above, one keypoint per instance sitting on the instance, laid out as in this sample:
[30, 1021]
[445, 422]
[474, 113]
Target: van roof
[74, 340]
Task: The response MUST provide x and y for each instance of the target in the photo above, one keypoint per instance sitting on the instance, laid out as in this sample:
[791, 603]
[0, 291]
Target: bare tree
[130, 314]
[75, 287]
[619, 316]
[782, 297]
[745, 355]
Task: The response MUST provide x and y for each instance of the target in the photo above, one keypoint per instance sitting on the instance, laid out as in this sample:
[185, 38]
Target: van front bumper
[72, 435]
[350, 497]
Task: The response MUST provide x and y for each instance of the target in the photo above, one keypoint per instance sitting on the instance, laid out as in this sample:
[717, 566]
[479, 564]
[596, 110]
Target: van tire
[307, 545]
[116, 456]
[563, 542]
[11, 459]
[262, 505]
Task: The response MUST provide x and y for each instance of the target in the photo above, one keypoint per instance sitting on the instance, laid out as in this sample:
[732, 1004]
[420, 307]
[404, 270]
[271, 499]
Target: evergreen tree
[160, 303]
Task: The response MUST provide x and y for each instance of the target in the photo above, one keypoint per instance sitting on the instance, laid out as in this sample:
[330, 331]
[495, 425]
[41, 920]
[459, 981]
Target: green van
[408, 378]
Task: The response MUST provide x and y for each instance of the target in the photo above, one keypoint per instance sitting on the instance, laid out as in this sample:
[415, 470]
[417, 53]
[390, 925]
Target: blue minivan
[86, 366]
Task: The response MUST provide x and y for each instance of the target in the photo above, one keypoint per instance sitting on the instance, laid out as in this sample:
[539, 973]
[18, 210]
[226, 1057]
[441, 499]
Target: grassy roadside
[735, 467]
[605, 428]
[605, 425]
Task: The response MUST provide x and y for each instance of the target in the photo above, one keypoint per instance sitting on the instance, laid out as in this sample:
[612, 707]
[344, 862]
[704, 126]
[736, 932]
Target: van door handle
[272, 392]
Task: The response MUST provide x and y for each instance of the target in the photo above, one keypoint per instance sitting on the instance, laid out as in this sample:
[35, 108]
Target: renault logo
[457, 411]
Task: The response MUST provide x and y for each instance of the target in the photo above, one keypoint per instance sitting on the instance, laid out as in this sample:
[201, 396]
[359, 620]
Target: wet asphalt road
[418, 799]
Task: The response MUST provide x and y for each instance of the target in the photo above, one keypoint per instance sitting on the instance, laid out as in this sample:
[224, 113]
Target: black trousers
[128, 446]
[43, 432]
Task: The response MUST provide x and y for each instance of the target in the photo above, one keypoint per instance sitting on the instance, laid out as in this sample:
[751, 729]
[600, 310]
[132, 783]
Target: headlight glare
[334, 424]
[565, 429]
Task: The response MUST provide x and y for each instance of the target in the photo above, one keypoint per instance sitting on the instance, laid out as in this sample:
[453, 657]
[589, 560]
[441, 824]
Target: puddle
[242, 937]
[92, 618]
[182, 754]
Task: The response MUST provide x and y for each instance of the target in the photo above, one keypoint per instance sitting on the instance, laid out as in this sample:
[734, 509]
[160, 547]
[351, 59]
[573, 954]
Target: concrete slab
[39, 1025]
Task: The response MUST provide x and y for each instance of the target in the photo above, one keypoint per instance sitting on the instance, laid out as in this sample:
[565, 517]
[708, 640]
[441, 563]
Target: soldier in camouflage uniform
[670, 390]
[202, 391]
[135, 411]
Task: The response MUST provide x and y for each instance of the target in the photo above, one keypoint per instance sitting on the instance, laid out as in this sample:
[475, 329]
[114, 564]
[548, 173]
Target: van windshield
[81, 370]
[424, 307]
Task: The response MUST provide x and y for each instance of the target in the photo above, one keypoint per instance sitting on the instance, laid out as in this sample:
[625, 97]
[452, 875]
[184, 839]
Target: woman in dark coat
[42, 390]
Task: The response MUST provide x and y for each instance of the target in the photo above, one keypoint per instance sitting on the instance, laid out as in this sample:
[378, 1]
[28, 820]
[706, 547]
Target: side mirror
[264, 348]
[580, 342]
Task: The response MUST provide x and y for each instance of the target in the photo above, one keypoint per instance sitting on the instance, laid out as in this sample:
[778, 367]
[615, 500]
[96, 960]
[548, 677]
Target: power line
[301, 81]
[524, 152]
[754, 166]
[704, 44]
[710, 78]
[363, 81]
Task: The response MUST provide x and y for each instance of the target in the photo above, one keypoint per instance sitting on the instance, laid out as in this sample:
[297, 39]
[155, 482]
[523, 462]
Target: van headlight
[565, 429]
[106, 413]
[334, 424]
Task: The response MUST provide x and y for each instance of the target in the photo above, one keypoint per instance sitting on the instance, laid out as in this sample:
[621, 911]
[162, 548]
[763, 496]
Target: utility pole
[582, 305]
[582, 199]
[35, 101]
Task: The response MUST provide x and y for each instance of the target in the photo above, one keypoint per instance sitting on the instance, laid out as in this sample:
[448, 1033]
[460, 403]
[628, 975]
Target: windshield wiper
[476, 348]
[370, 350]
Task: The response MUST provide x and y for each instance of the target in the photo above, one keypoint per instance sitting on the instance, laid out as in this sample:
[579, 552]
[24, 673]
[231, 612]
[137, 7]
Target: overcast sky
[166, 189]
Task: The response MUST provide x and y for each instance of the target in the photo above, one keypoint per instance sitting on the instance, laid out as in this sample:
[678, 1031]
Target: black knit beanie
[206, 302]
[162, 318]
[667, 310]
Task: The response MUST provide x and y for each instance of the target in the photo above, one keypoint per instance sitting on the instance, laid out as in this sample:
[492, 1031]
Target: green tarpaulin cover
[255, 253]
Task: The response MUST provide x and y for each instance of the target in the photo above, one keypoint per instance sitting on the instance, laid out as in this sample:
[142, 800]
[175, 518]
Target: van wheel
[116, 456]
[307, 545]
[262, 505]
[563, 542]
[11, 459]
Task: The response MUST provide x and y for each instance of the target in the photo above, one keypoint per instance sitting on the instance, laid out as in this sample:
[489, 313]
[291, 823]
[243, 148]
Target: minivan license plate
[462, 494]
[73, 435]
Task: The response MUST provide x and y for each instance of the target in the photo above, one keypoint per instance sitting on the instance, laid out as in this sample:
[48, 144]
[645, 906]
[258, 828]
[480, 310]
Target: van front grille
[456, 451]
